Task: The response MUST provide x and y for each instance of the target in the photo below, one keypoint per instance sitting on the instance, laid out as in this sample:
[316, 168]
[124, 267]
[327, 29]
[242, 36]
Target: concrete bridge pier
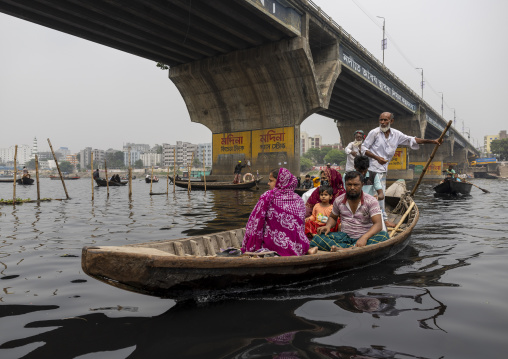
[254, 100]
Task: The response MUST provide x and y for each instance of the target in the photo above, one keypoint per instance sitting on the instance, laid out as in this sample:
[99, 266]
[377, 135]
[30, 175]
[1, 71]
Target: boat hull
[216, 185]
[453, 188]
[103, 183]
[25, 181]
[147, 180]
[154, 269]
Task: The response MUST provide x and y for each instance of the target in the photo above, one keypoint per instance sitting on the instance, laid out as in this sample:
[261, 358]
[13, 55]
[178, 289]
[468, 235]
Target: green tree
[196, 163]
[317, 155]
[158, 148]
[305, 164]
[66, 166]
[500, 148]
[115, 159]
[138, 164]
[30, 164]
[336, 156]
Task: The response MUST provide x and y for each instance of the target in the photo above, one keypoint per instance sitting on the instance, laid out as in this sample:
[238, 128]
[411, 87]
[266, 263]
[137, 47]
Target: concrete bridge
[253, 70]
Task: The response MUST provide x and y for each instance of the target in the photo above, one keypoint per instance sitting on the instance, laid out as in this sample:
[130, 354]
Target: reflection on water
[447, 287]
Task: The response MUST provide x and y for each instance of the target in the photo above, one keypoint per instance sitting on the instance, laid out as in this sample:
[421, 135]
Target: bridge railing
[341, 32]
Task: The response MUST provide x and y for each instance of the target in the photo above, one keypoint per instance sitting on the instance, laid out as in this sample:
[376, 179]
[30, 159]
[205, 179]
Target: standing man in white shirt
[381, 144]
[354, 149]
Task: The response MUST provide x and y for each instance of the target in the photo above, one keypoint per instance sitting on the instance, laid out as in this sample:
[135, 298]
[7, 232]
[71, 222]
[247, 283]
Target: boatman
[96, 174]
[381, 144]
[238, 172]
[360, 218]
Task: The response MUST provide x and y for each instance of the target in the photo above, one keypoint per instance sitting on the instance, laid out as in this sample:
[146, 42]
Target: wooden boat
[453, 188]
[25, 181]
[6, 180]
[102, 183]
[218, 185]
[190, 267]
[193, 179]
[65, 177]
[147, 180]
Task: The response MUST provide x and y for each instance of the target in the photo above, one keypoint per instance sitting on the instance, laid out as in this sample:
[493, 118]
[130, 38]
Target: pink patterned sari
[277, 222]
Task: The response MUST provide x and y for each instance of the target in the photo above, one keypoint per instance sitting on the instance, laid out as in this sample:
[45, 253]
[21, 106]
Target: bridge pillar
[254, 100]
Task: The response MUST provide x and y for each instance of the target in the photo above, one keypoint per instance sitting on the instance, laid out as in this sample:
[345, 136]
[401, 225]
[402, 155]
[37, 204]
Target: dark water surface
[444, 296]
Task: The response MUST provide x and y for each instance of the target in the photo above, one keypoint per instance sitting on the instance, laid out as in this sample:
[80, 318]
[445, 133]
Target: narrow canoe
[453, 188]
[217, 185]
[148, 180]
[193, 180]
[102, 183]
[25, 181]
[65, 177]
[189, 267]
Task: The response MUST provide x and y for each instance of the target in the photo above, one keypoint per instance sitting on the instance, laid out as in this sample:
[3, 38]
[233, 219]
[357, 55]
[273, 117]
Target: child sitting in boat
[320, 212]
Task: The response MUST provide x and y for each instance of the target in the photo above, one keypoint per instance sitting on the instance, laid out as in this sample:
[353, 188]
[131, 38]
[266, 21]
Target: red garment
[312, 226]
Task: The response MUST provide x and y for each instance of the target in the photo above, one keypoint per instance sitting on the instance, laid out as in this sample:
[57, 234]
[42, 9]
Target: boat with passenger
[193, 266]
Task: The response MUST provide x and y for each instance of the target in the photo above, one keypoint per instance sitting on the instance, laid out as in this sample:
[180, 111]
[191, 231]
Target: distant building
[85, 156]
[307, 142]
[207, 147]
[72, 159]
[184, 151]
[488, 141]
[62, 153]
[23, 154]
[35, 150]
[139, 147]
[334, 146]
[98, 158]
[45, 156]
[135, 155]
[151, 158]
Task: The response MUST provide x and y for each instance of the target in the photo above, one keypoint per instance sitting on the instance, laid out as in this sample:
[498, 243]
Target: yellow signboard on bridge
[399, 160]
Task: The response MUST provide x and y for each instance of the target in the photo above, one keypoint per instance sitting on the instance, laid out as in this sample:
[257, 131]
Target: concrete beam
[243, 95]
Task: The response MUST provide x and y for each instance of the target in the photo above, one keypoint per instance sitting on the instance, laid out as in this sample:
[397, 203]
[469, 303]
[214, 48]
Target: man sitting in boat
[25, 172]
[456, 178]
[277, 222]
[96, 174]
[360, 216]
[448, 177]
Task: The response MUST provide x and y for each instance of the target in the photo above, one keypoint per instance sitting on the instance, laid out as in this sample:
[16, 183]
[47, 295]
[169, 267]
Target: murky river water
[444, 296]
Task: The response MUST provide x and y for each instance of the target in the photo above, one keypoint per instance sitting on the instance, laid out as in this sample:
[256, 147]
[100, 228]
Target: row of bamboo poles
[106, 174]
[36, 174]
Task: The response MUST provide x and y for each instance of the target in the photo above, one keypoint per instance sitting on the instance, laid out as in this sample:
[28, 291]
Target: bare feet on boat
[312, 250]
[337, 249]
[389, 224]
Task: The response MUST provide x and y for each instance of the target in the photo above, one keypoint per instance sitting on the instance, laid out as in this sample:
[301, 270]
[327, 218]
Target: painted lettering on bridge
[371, 75]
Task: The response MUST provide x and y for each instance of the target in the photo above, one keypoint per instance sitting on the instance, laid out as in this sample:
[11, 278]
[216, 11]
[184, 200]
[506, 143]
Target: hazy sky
[80, 94]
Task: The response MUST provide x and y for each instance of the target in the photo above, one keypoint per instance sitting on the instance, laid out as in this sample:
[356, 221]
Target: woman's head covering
[335, 181]
[277, 222]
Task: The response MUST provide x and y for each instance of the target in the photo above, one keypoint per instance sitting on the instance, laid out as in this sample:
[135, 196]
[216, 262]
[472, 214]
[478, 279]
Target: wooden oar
[484, 190]
[430, 159]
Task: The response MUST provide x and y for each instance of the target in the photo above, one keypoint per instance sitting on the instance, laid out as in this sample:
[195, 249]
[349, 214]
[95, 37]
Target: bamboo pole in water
[37, 177]
[15, 174]
[58, 168]
[107, 180]
[151, 181]
[91, 166]
[174, 170]
[130, 174]
[204, 175]
[189, 173]
[167, 185]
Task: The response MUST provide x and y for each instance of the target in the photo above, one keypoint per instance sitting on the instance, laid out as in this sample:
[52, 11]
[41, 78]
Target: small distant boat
[103, 183]
[217, 185]
[193, 179]
[65, 177]
[148, 180]
[126, 178]
[453, 188]
[25, 181]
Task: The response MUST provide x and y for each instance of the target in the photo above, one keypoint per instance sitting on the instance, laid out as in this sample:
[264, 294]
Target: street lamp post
[454, 120]
[383, 41]
[442, 105]
[419, 68]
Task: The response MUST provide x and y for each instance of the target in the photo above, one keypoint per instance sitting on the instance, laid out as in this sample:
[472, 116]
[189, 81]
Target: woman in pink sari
[277, 222]
[335, 181]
